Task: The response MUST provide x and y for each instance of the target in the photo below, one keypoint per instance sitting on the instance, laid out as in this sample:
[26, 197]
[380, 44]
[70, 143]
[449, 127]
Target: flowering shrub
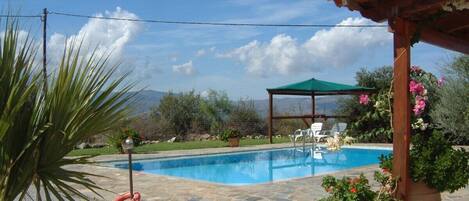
[432, 158]
[364, 99]
[358, 188]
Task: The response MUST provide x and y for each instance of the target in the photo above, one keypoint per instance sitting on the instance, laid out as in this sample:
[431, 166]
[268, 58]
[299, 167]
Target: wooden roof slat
[445, 40]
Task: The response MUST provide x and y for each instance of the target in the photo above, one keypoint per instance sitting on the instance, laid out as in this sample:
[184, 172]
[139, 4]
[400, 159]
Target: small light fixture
[128, 145]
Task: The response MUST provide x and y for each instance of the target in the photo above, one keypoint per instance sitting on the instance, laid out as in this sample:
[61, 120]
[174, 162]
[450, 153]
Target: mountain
[301, 105]
[147, 99]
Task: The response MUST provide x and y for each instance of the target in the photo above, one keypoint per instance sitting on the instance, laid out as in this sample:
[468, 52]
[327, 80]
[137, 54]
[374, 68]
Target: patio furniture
[337, 129]
[311, 132]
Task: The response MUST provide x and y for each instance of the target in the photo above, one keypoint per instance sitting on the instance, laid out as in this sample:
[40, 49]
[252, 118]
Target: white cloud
[200, 52]
[336, 47]
[107, 36]
[185, 68]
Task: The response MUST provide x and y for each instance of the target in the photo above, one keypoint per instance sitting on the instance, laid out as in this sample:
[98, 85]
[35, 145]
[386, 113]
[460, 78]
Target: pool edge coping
[215, 151]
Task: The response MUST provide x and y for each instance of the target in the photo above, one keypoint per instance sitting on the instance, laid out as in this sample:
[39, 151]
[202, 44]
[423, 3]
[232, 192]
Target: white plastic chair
[337, 129]
[311, 132]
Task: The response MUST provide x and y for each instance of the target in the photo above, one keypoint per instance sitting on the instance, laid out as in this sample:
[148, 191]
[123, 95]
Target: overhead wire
[218, 23]
[22, 16]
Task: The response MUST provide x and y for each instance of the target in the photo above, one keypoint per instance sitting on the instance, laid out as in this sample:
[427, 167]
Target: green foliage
[37, 128]
[370, 123]
[229, 133]
[190, 112]
[435, 162]
[117, 138]
[216, 107]
[287, 126]
[245, 118]
[385, 162]
[179, 111]
[451, 113]
[358, 188]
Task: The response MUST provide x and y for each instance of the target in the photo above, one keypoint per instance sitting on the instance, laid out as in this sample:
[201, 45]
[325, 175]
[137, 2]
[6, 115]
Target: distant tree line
[189, 114]
[180, 114]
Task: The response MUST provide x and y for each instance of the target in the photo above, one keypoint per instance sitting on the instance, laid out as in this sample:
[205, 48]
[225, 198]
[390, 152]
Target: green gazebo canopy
[318, 87]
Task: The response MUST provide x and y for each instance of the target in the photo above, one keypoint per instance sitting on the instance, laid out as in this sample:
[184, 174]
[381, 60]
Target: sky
[243, 61]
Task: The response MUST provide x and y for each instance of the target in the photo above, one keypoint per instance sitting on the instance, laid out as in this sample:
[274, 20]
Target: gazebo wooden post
[313, 107]
[401, 105]
[270, 117]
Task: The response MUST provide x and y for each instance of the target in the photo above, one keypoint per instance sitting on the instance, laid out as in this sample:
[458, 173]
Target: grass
[165, 146]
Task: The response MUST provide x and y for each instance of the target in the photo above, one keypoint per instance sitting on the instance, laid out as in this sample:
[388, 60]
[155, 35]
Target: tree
[38, 129]
[245, 118]
[179, 111]
[216, 107]
[451, 113]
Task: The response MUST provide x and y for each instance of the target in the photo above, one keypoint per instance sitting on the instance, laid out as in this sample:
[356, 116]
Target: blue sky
[243, 61]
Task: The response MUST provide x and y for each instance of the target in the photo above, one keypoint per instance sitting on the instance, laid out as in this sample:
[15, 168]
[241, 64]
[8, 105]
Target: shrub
[370, 123]
[229, 133]
[348, 189]
[358, 188]
[451, 112]
[434, 161]
[179, 110]
[185, 113]
[245, 118]
[123, 133]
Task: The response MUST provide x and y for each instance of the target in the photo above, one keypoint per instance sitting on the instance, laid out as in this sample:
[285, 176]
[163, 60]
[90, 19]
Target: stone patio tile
[157, 187]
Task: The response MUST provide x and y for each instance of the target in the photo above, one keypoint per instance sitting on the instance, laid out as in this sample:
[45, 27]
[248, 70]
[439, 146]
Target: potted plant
[231, 136]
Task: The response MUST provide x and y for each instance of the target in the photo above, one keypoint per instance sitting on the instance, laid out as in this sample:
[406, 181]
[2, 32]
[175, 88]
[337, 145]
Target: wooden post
[313, 107]
[270, 117]
[401, 106]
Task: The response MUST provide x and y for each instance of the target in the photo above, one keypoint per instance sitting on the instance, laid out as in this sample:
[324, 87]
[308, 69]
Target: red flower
[353, 190]
[329, 189]
[385, 170]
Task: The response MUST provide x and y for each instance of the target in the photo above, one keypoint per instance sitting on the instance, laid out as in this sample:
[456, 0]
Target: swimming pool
[245, 168]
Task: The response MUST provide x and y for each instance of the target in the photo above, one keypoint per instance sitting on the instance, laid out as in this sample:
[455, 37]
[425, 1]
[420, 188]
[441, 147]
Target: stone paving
[158, 187]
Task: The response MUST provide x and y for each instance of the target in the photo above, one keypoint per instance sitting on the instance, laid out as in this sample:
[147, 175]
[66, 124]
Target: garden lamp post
[128, 145]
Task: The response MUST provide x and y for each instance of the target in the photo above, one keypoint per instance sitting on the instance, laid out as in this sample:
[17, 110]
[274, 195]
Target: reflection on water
[260, 167]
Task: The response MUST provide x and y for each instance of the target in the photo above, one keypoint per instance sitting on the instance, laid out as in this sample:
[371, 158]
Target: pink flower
[415, 69]
[419, 106]
[364, 100]
[416, 87]
[441, 81]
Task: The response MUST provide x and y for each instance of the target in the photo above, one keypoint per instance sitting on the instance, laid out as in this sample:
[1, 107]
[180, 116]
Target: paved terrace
[156, 187]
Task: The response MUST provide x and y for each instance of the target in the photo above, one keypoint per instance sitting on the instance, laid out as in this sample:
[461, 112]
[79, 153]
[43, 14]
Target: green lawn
[165, 146]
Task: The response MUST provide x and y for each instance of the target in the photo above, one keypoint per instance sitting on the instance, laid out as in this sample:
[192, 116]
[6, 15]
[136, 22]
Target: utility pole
[44, 48]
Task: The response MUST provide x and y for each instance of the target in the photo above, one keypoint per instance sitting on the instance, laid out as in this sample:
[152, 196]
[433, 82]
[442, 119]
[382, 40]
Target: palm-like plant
[38, 129]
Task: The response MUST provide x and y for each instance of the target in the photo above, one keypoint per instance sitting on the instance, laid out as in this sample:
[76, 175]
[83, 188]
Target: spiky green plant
[38, 128]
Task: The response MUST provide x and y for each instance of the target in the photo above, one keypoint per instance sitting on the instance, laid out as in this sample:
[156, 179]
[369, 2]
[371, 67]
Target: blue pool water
[260, 166]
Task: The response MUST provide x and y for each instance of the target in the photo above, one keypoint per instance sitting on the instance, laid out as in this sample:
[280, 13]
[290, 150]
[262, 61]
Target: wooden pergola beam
[444, 40]
[313, 115]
